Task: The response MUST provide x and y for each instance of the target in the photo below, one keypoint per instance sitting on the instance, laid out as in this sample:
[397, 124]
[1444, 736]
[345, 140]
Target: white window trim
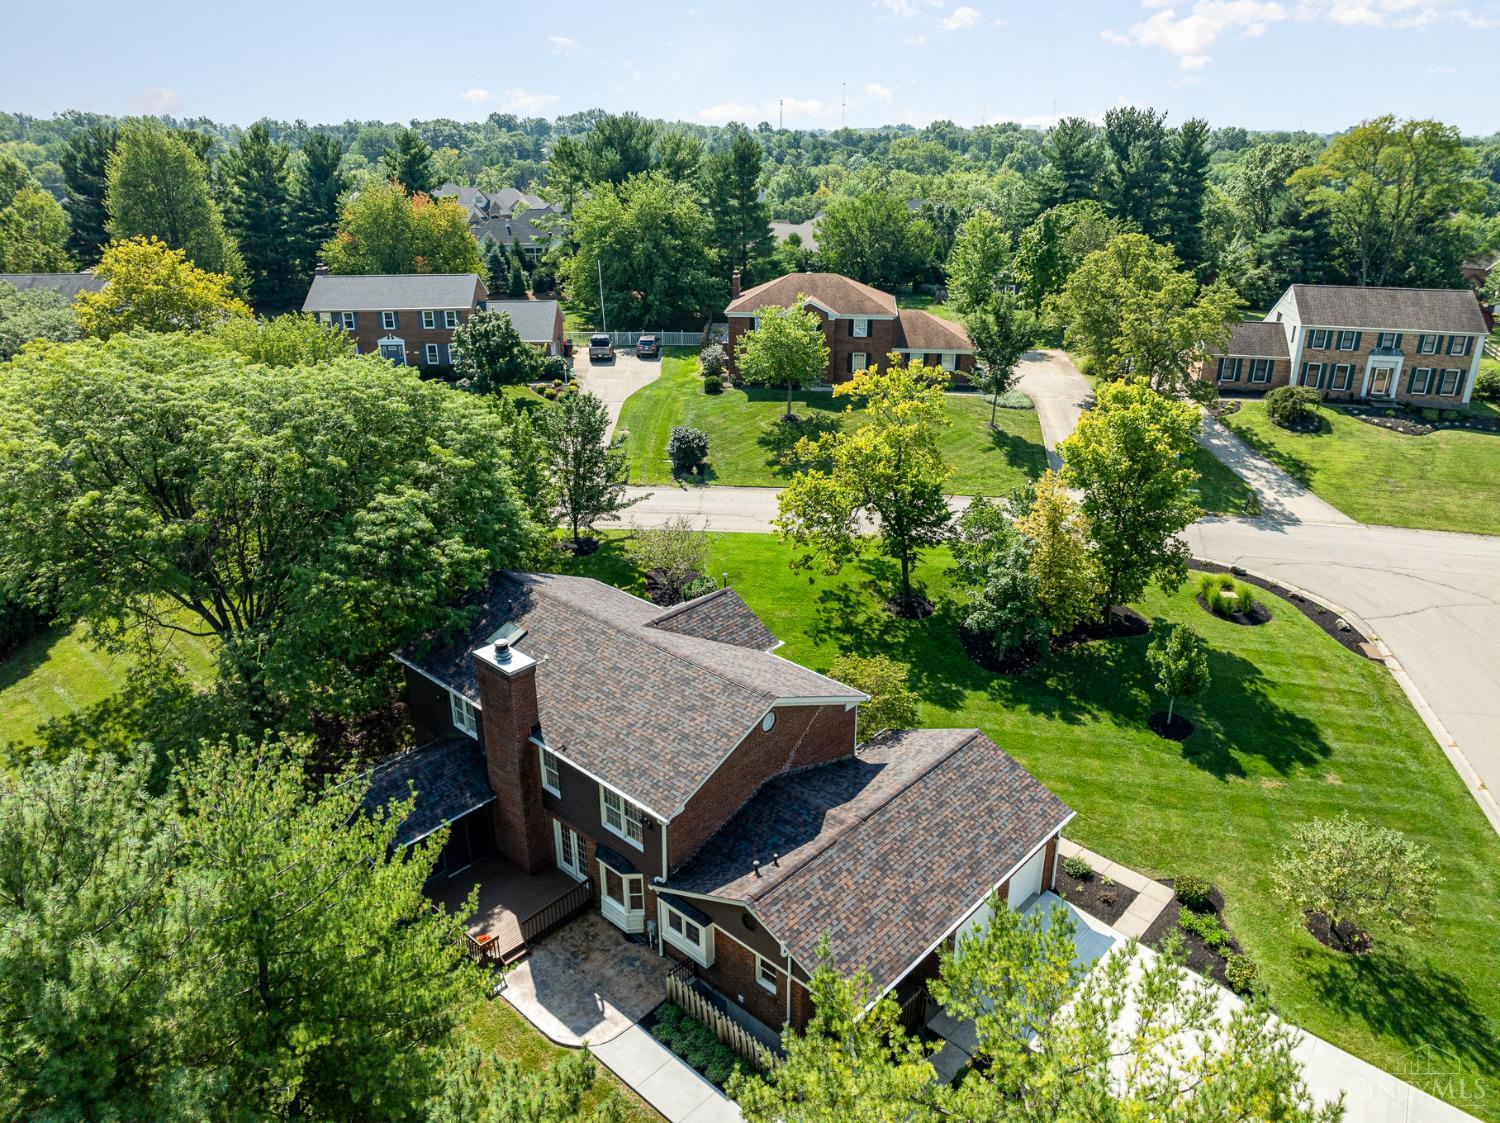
[858, 361]
[388, 321]
[1268, 369]
[1458, 379]
[701, 953]
[547, 757]
[761, 962]
[450, 318]
[348, 320]
[626, 807]
[859, 327]
[1424, 349]
[1425, 373]
[429, 319]
[465, 713]
[1346, 370]
[431, 355]
[1352, 337]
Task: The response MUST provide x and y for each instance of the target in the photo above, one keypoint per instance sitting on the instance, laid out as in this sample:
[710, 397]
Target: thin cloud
[476, 96]
[156, 102]
[562, 45]
[963, 18]
[796, 111]
[525, 102]
[905, 9]
[879, 92]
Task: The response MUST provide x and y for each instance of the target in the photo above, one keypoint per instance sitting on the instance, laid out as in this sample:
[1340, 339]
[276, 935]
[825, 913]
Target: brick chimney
[507, 696]
[734, 285]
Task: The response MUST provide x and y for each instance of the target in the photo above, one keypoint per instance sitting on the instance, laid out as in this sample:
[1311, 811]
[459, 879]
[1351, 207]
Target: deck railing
[559, 912]
[680, 989]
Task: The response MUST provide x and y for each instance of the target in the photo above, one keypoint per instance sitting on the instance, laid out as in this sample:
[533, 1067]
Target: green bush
[687, 447]
[1076, 867]
[1205, 926]
[1215, 588]
[1192, 890]
[713, 385]
[1291, 405]
[1014, 399]
[713, 361]
[1431, 414]
[1240, 972]
[554, 367]
[699, 586]
[1487, 385]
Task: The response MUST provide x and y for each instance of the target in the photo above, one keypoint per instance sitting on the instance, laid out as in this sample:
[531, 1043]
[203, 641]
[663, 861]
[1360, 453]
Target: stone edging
[1152, 897]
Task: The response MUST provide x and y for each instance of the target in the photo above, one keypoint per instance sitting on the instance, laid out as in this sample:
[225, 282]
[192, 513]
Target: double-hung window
[1458, 345]
[859, 328]
[1449, 384]
[388, 321]
[687, 935]
[429, 318]
[1428, 344]
[1420, 381]
[450, 318]
[766, 973]
[1342, 375]
[1312, 375]
[858, 361]
[950, 360]
[551, 774]
[1348, 341]
[431, 355]
[348, 320]
[1229, 369]
[622, 817]
[1318, 338]
[1260, 370]
[1390, 340]
[465, 714]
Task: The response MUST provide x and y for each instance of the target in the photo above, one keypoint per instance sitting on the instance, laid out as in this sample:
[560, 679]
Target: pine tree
[83, 164]
[741, 221]
[256, 190]
[1187, 181]
[315, 201]
[410, 163]
[1075, 163]
[496, 269]
[516, 284]
[1135, 143]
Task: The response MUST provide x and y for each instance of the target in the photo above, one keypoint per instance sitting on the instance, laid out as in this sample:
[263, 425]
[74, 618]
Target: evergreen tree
[409, 163]
[516, 253]
[516, 283]
[496, 269]
[1135, 142]
[256, 189]
[315, 201]
[1074, 163]
[1187, 180]
[83, 164]
[741, 221]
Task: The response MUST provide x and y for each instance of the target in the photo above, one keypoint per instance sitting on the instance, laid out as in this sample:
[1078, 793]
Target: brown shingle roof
[841, 295]
[1256, 338]
[922, 331]
[653, 712]
[720, 616]
[884, 851]
[446, 779]
[1385, 309]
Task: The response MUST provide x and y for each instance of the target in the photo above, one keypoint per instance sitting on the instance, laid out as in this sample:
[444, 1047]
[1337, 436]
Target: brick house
[408, 318]
[710, 793]
[538, 322]
[1409, 346]
[863, 326]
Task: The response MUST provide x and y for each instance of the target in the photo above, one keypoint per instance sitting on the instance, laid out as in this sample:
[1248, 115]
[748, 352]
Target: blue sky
[1316, 64]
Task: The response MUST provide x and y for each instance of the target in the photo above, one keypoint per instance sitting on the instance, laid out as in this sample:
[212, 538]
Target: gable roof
[844, 296]
[67, 285]
[1262, 339]
[535, 320]
[922, 331]
[721, 616]
[884, 851]
[650, 711]
[503, 228]
[446, 777]
[1389, 309]
[349, 292]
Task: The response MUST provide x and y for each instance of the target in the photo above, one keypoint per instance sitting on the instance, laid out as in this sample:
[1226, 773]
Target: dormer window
[621, 817]
[465, 714]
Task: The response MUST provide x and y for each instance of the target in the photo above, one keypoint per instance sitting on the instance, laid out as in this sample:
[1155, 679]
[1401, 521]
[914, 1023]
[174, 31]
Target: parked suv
[648, 347]
[601, 349]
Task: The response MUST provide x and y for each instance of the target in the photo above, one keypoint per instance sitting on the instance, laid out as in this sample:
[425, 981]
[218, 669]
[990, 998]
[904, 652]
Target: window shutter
[1458, 385]
[1221, 368]
[1357, 337]
[395, 321]
[1411, 381]
[1398, 341]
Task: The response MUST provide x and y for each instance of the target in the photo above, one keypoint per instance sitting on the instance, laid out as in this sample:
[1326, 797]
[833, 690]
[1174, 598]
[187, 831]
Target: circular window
[768, 721]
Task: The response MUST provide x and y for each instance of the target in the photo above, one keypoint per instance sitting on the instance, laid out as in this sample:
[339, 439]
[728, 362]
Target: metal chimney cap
[502, 651]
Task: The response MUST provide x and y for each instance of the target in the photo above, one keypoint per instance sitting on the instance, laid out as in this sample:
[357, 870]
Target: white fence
[716, 334]
[1492, 351]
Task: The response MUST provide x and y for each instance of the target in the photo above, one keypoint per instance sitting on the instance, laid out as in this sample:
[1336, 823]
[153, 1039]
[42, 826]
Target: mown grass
[747, 439]
[1294, 727]
[1447, 480]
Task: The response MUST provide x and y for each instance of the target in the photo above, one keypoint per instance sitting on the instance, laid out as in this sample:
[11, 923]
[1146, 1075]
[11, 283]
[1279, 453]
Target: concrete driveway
[615, 381]
[1060, 392]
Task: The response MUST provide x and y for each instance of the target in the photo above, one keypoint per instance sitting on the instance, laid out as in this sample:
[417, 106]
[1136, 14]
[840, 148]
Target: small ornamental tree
[589, 473]
[712, 361]
[1179, 659]
[1003, 330]
[786, 348]
[489, 353]
[1359, 876]
[687, 448]
[675, 553]
[1062, 564]
[892, 704]
[978, 261]
[152, 287]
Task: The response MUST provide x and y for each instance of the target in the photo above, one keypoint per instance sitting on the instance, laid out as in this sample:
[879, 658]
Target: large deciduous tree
[33, 234]
[489, 353]
[786, 347]
[33, 314]
[1054, 245]
[153, 287]
[84, 164]
[647, 244]
[158, 188]
[381, 230]
[979, 262]
[888, 470]
[874, 238]
[1128, 455]
[589, 473]
[256, 188]
[310, 517]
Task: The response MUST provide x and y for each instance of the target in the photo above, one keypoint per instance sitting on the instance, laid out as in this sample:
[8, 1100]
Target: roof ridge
[1381, 288]
[802, 864]
[682, 606]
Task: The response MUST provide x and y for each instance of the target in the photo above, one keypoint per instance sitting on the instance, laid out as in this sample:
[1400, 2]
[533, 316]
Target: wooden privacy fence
[730, 1033]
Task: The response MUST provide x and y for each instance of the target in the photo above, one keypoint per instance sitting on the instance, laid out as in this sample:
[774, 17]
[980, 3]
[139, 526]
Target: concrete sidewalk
[1151, 896]
[664, 1081]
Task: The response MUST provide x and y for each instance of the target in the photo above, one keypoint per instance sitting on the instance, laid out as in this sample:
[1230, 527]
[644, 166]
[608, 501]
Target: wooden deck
[508, 899]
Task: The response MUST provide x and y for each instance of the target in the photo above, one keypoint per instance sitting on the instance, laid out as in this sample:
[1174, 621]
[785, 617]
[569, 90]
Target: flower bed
[1210, 947]
[695, 1043]
[1097, 895]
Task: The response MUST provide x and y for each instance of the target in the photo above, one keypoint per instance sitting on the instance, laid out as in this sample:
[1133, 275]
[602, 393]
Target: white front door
[569, 850]
[1027, 881]
[624, 899]
[1380, 382]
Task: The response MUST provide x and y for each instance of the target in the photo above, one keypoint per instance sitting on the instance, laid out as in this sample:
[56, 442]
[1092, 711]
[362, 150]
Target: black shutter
[395, 321]
[1357, 337]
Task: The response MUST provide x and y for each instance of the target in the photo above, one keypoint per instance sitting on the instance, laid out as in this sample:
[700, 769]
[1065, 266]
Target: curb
[1482, 794]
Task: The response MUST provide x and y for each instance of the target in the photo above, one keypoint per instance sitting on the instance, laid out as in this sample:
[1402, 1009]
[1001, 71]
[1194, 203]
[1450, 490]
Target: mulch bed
[1349, 939]
[659, 592]
[1331, 622]
[1200, 957]
[1178, 729]
[1260, 614]
[1226, 407]
[1122, 622]
[1414, 425]
[580, 549]
[921, 608]
[1106, 901]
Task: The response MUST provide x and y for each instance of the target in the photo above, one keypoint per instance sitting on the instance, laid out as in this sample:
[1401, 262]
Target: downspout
[660, 943]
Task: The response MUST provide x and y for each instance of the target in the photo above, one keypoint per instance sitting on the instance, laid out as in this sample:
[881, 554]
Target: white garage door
[1027, 881]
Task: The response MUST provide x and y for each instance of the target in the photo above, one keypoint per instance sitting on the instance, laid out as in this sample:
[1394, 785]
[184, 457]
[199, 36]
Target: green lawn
[746, 436]
[1220, 490]
[1448, 480]
[60, 671]
[1294, 727]
[926, 303]
[498, 1028]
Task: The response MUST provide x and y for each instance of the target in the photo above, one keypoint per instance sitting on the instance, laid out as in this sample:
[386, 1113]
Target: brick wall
[841, 344]
[1358, 360]
[1281, 374]
[368, 331]
[801, 735]
[522, 830]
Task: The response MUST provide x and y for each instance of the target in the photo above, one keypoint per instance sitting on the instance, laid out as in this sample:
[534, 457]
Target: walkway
[616, 381]
[1282, 499]
[1151, 896]
[1371, 1095]
[1061, 394]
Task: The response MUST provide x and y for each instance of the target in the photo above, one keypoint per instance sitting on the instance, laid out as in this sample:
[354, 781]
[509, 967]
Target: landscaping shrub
[1215, 589]
[1206, 927]
[713, 361]
[1076, 867]
[1240, 972]
[687, 448]
[1014, 399]
[1192, 890]
[1289, 406]
[699, 586]
[1431, 414]
[554, 367]
[713, 385]
[1487, 385]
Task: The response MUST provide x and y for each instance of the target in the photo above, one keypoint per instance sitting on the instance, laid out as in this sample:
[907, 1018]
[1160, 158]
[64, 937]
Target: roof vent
[755, 865]
[502, 651]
